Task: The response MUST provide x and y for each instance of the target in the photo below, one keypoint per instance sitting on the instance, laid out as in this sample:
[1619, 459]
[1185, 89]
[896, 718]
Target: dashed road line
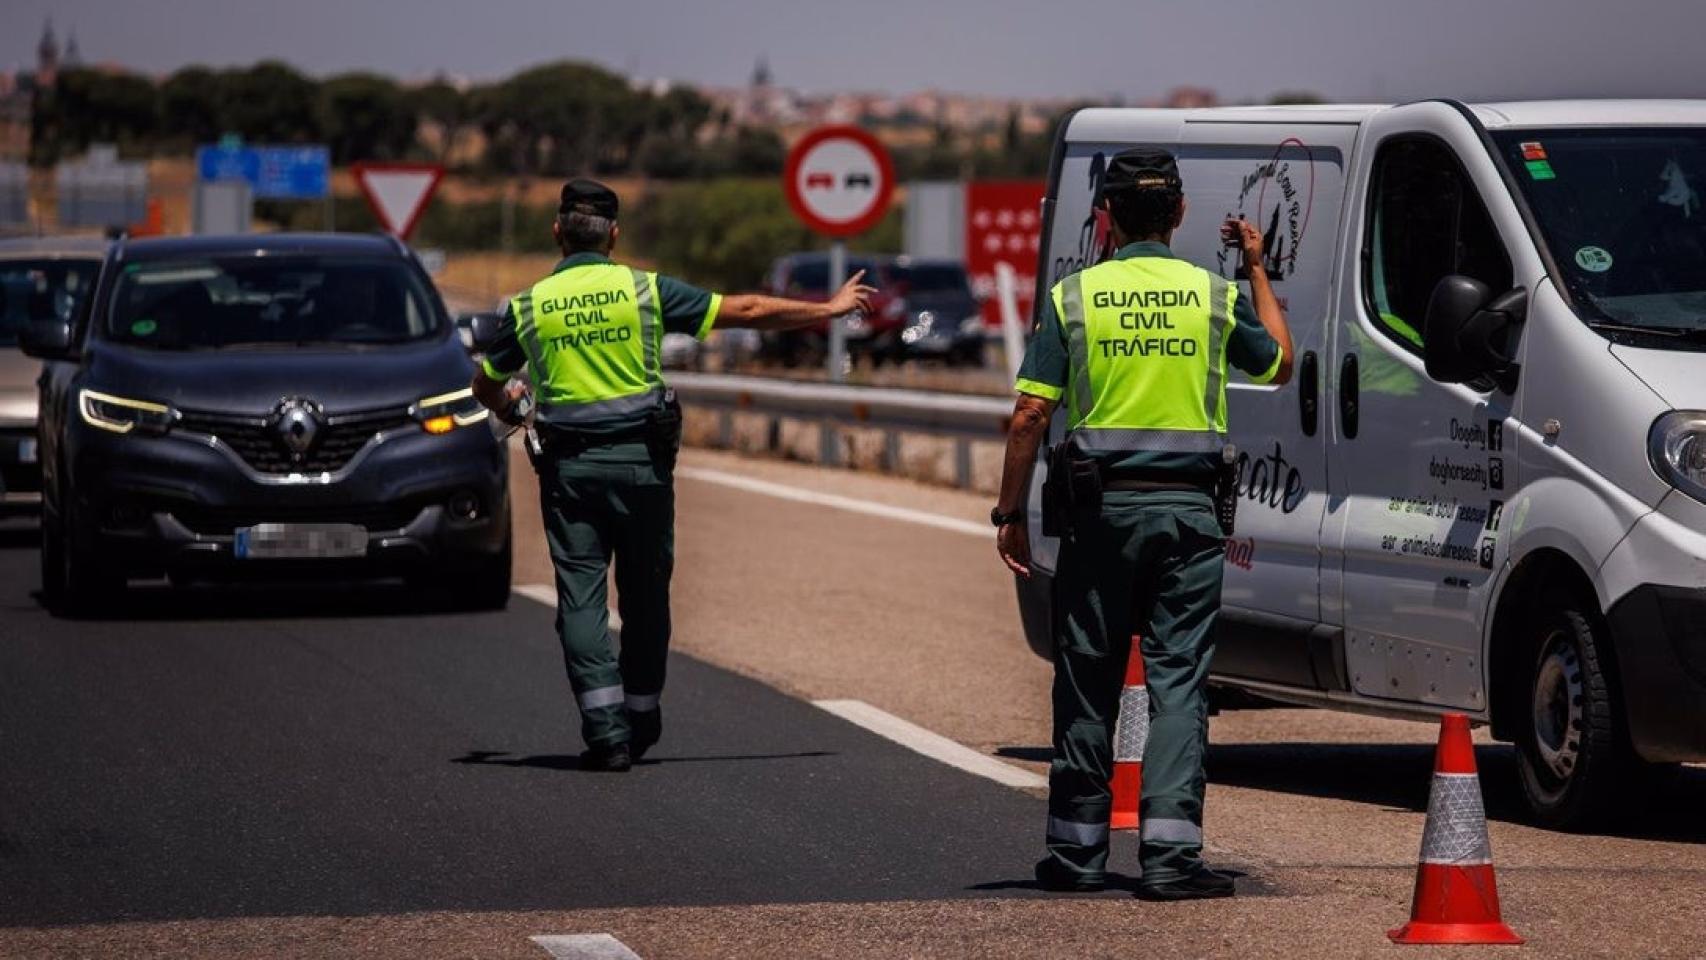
[853, 505]
[933, 745]
[584, 946]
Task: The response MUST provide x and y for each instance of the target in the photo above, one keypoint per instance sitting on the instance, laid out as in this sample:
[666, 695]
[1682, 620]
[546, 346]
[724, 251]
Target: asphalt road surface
[330, 771]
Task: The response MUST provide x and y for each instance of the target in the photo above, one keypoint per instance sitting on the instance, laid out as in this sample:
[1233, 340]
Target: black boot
[1200, 884]
[1053, 877]
[608, 758]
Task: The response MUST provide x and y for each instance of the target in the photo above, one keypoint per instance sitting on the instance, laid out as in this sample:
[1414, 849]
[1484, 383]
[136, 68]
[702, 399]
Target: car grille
[340, 438]
[208, 520]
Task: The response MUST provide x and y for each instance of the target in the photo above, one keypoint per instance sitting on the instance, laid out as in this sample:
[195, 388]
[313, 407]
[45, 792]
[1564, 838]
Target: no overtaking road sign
[839, 180]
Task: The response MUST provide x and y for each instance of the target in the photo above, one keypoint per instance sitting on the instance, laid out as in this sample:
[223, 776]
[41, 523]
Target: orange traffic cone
[1131, 732]
[1456, 898]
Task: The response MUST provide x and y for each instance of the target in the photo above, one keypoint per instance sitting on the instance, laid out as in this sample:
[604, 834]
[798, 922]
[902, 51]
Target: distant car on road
[265, 406]
[805, 276]
[940, 316]
[40, 277]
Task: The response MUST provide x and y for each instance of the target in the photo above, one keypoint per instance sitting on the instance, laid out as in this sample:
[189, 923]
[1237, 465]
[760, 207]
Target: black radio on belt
[1226, 489]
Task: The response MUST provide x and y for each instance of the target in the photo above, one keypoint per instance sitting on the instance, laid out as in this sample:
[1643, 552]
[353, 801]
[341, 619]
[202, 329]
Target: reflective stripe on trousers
[1083, 834]
[599, 697]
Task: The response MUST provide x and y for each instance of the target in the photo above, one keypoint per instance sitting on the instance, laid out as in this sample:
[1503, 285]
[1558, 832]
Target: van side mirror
[479, 330]
[1469, 335]
[47, 339]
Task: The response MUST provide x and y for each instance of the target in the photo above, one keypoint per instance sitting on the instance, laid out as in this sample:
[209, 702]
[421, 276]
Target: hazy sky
[1346, 49]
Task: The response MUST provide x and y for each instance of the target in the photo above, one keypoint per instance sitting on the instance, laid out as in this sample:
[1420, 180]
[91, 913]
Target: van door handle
[1309, 394]
[1348, 395]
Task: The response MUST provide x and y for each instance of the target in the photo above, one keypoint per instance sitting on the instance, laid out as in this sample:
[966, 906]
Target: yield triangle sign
[397, 192]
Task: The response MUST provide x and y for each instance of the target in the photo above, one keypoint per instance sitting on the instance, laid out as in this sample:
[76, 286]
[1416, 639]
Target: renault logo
[296, 423]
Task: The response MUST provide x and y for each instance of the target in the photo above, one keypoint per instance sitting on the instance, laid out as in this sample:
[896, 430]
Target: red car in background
[805, 276]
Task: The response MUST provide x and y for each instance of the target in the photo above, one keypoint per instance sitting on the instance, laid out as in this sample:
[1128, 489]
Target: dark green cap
[1142, 168]
[589, 197]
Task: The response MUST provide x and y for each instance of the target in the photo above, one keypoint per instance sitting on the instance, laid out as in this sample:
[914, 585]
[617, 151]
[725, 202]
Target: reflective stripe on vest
[592, 338]
[1146, 342]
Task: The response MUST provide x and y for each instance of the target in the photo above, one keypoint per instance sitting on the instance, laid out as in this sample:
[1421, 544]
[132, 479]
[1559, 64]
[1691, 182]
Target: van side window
[1426, 222]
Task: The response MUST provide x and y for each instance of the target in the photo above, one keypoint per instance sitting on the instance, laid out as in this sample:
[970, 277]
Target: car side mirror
[479, 330]
[1469, 336]
[48, 339]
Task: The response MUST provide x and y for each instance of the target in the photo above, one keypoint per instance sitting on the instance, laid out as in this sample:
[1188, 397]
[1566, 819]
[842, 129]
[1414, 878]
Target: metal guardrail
[833, 407]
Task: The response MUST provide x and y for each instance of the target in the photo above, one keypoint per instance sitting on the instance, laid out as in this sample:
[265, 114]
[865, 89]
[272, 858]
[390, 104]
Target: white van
[1485, 489]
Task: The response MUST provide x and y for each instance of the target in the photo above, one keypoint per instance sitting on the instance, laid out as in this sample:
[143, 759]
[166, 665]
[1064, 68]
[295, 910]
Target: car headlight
[104, 411]
[972, 324]
[856, 323]
[1677, 447]
[447, 411]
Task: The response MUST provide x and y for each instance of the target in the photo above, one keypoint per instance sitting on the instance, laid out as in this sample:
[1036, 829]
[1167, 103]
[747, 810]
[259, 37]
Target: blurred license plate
[300, 541]
[27, 450]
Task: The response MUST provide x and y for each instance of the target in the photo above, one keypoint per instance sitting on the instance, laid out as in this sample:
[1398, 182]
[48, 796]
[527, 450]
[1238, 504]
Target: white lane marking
[853, 505]
[932, 745]
[585, 946]
[547, 594]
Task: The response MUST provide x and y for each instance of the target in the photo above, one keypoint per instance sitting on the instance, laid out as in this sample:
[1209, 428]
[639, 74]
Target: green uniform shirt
[681, 307]
[1047, 365]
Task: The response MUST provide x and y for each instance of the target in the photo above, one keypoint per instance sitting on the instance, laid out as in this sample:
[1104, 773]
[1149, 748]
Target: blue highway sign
[277, 173]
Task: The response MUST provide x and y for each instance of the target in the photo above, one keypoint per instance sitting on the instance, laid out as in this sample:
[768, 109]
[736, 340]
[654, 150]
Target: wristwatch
[1003, 519]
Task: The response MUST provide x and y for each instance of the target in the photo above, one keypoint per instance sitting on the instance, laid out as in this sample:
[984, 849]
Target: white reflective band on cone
[1456, 832]
[642, 702]
[1083, 834]
[1131, 729]
[601, 697]
[1171, 831]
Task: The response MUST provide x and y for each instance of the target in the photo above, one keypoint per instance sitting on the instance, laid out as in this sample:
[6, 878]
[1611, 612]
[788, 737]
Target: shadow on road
[1117, 883]
[569, 761]
[283, 600]
[1397, 776]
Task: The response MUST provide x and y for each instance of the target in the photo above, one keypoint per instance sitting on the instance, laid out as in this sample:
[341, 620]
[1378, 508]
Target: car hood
[1677, 376]
[242, 382]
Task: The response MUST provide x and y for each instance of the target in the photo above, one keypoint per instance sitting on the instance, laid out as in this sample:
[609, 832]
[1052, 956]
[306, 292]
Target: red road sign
[1003, 223]
[839, 180]
[397, 192]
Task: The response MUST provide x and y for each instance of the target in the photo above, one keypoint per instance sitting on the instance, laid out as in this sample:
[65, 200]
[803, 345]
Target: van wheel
[1570, 756]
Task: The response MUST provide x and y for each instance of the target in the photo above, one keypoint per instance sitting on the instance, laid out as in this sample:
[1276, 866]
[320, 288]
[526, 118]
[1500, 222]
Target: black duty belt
[565, 442]
[1144, 481]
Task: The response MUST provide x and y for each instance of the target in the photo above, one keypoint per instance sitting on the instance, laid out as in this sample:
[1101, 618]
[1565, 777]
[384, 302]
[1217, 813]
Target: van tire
[1571, 755]
[75, 584]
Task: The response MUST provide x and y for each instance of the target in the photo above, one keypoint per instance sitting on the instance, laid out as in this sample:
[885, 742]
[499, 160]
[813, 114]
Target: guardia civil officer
[1139, 347]
[587, 340]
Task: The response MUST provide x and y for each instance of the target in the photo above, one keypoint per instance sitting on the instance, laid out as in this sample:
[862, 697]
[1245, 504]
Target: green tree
[94, 106]
[364, 116]
[269, 102]
[563, 118]
[1295, 97]
[447, 107]
[189, 106]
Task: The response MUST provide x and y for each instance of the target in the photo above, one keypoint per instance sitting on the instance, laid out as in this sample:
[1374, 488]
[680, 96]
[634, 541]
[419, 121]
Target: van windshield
[36, 289]
[1624, 214]
[214, 303]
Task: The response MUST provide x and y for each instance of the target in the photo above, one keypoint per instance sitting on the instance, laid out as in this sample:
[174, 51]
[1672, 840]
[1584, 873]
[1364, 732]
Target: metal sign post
[839, 181]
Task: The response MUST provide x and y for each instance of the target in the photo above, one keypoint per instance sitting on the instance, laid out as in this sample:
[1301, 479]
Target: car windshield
[1624, 214]
[40, 288]
[214, 303]
[932, 278]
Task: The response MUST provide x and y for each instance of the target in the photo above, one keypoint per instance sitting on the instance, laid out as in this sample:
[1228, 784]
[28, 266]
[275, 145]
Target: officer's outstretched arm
[756, 311]
[1024, 438]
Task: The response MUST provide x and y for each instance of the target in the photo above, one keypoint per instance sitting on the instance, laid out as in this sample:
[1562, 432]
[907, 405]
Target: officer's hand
[852, 296]
[1013, 542]
[1241, 234]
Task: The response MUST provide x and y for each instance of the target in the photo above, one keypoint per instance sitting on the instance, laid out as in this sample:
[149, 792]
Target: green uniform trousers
[1150, 564]
[604, 501]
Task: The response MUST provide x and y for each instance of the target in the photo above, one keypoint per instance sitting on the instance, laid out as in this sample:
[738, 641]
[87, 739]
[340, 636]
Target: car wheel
[75, 581]
[1571, 756]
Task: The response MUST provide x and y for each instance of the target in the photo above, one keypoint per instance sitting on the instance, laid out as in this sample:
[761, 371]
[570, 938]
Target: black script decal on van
[1270, 480]
[1095, 240]
[1277, 197]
